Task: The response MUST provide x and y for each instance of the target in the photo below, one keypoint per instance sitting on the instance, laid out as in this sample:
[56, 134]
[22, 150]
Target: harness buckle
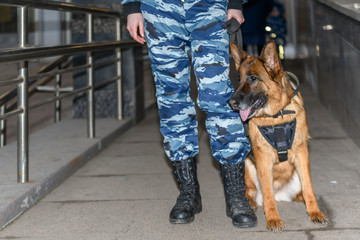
[283, 155]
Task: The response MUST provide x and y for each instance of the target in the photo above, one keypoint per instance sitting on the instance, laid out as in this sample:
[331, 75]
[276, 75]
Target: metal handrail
[33, 83]
[25, 53]
[49, 73]
[12, 113]
[11, 94]
[14, 55]
[10, 82]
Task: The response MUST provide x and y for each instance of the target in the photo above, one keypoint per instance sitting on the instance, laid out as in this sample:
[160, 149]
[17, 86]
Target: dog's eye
[252, 79]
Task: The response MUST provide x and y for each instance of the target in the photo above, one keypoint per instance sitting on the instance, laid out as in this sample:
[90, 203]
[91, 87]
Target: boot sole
[184, 221]
[241, 225]
[244, 225]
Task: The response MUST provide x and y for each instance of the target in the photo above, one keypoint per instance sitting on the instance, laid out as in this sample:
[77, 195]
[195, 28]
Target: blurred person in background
[253, 29]
[276, 28]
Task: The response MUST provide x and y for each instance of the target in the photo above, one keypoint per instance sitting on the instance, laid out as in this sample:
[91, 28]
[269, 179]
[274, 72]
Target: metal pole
[68, 16]
[23, 136]
[119, 111]
[39, 27]
[90, 76]
[57, 94]
[2, 128]
[293, 26]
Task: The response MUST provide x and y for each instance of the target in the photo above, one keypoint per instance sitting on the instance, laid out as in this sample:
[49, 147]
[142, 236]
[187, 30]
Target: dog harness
[281, 136]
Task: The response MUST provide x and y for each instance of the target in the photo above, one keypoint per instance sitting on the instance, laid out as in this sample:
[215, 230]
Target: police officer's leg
[228, 140]
[167, 40]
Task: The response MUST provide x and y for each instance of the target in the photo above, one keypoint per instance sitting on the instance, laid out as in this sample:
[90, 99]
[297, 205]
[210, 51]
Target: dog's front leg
[264, 166]
[302, 165]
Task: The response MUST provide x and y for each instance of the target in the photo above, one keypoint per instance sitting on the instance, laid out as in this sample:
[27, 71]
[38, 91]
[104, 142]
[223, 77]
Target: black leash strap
[233, 29]
[295, 80]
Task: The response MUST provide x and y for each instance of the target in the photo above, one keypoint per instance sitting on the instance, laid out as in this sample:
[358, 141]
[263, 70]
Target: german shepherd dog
[268, 98]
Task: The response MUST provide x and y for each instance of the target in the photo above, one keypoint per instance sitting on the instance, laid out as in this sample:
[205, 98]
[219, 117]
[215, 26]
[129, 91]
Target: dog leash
[233, 29]
[295, 80]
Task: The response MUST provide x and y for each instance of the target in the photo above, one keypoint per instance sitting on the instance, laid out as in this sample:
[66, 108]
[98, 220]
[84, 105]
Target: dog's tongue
[244, 114]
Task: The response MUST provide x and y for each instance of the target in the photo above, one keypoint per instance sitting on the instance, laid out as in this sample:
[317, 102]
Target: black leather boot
[188, 202]
[237, 205]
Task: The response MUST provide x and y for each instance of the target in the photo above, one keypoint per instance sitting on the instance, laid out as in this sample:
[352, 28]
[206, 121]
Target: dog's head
[263, 88]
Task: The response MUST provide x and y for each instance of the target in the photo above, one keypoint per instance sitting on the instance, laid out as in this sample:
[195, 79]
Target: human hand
[232, 25]
[237, 14]
[135, 26]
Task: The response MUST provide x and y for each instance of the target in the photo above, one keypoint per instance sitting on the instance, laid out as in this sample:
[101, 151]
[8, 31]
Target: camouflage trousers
[174, 29]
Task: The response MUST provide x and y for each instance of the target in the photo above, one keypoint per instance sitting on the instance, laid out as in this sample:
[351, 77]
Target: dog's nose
[234, 103]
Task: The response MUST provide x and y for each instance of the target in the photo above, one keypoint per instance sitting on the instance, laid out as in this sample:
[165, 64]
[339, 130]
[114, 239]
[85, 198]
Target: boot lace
[235, 189]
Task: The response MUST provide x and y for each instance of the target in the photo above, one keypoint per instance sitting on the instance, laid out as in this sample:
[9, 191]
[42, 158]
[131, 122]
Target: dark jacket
[255, 14]
[133, 6]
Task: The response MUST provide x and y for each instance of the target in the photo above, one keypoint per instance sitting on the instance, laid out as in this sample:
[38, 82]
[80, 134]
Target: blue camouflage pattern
[128, 1]
[172, 30]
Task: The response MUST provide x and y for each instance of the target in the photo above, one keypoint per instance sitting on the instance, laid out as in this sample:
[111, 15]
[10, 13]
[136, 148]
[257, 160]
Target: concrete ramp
[55, 152]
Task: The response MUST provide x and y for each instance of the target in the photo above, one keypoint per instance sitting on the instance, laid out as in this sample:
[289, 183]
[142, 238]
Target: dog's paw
[253, 204]
[318, 217]
[275, 225]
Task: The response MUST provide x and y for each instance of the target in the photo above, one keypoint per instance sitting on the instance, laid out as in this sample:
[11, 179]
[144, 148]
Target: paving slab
[348, 234]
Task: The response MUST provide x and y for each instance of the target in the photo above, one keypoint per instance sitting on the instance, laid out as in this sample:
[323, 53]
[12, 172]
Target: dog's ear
[238, 54]
[270, 57]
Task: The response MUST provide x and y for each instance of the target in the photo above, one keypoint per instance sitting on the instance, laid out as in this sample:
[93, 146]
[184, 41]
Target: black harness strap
[281, 143]
[280, 137]
[283, 112]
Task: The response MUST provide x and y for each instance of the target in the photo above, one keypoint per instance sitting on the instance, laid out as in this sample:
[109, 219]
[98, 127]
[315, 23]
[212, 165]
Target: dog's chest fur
[285, 187]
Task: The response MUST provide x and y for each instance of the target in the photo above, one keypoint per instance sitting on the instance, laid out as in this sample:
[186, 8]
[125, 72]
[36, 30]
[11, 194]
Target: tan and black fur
[263, 91]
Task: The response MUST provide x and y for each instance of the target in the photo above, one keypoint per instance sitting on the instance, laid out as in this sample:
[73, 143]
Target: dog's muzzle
[247, 106]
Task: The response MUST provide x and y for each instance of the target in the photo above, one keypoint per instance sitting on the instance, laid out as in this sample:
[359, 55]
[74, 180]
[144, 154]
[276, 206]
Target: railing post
[23, 136]
[57, 94]
[90, 78]
[119, 81]
[2, 127]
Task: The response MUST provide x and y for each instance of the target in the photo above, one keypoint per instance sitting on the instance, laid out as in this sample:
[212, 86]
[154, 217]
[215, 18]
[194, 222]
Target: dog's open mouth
[251, 111]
